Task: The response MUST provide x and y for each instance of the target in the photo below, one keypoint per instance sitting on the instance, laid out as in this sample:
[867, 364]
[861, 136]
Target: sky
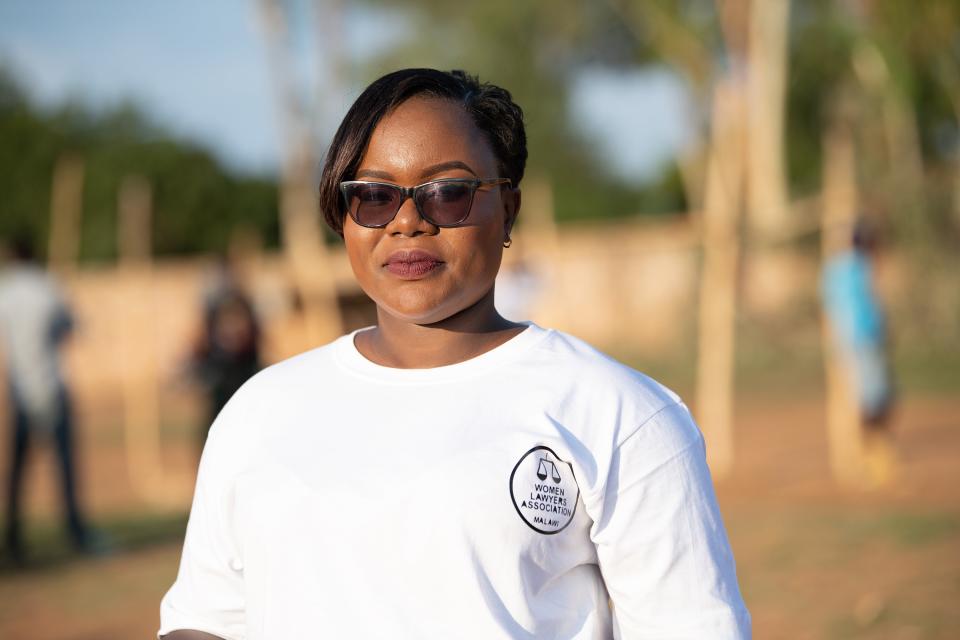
[200, 69]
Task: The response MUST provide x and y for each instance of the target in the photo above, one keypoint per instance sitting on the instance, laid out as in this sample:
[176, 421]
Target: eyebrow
[446, 166]
[426, 173]
[373, 173]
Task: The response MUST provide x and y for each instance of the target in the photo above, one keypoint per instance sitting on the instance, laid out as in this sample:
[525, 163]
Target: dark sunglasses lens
[446, 203]
[372, 204]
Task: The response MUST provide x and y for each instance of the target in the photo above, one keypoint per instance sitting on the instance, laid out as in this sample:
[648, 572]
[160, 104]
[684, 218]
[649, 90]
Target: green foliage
[920, 42]
[821, 43]
[883, 54]
[197, 203]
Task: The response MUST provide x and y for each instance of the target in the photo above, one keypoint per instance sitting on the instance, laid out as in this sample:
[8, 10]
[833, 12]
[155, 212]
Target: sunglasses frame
[411, 192]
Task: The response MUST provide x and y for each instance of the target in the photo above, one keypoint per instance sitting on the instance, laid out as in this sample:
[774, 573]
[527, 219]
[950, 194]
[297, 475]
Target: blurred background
[699, 171]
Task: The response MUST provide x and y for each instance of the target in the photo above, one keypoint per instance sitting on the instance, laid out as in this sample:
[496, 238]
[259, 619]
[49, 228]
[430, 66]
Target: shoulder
[29, 290]
[571, 361]
[255, 407]
[277, 384]
[308, 369]
[606, 410]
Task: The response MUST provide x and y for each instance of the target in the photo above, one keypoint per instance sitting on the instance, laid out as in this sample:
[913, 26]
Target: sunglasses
[442, 203]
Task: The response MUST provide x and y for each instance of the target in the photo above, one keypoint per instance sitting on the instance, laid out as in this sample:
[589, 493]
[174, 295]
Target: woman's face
[414, 271]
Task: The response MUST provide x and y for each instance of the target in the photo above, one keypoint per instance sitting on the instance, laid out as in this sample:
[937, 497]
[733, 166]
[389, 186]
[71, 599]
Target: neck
[477, 329]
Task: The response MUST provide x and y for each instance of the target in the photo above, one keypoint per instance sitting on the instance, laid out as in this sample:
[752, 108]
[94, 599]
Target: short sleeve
[661, 543]
[208, 594]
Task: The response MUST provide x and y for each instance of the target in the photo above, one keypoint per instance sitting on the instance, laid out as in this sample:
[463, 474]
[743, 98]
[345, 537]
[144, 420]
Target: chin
[417, 316]
[421, 311]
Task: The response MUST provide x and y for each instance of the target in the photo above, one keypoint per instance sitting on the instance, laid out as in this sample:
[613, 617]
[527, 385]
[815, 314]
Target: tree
[197, 201]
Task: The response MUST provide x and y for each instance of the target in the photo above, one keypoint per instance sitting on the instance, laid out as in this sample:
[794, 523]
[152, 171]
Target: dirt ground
[815, 561]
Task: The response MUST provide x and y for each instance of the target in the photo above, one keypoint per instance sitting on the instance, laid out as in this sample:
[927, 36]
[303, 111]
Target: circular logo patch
[544, 490]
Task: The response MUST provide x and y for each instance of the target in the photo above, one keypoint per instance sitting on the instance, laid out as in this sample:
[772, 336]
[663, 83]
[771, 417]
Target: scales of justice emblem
[542, 470]
[544, 490]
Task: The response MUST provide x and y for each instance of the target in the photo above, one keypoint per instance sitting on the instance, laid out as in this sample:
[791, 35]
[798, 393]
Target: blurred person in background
[34, 324]
[518, 288]
[227, 352]
[859, 330]
[448, 473]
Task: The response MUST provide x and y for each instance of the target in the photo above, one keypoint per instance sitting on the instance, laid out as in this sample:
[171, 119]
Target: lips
[411, 265]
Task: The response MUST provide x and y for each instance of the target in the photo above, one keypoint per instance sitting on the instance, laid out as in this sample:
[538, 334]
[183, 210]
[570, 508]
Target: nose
[409, 222]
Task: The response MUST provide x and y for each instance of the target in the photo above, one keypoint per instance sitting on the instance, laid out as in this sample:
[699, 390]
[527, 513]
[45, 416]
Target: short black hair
[491, 108]
[22, 248]
[865, 236]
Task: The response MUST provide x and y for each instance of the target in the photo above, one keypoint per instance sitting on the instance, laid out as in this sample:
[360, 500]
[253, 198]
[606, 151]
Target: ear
[511, 209]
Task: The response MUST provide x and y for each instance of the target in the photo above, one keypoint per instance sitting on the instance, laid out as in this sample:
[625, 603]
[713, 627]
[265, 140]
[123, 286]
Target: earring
[507, 242]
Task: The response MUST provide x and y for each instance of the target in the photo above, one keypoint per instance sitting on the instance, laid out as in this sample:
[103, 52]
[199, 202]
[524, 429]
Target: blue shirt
[850, 303]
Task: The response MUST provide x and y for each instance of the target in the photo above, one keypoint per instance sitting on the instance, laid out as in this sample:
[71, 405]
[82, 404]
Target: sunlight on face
[447, 270]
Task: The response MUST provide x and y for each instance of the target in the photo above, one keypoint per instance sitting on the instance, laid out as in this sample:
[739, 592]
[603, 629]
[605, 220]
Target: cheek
[359, 250]
[480, 258]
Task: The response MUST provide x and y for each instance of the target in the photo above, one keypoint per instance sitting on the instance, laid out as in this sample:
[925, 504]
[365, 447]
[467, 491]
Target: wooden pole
[767, 70]
[66, 208]
[838, 210]
[136, 325]
[135, 205]
[332, 72]
[717, 313]
[307, 258]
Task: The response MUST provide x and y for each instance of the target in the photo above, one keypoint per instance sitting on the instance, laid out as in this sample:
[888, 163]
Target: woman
[448, 473]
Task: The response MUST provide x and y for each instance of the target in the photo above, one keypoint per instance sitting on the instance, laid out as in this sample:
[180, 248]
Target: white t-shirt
[32, 314]
[520, 494]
